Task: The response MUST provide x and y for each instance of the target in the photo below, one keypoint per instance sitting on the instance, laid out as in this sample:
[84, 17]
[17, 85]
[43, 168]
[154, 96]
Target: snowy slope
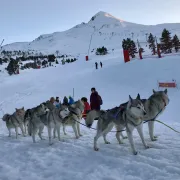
[76, 159]
[107, 31]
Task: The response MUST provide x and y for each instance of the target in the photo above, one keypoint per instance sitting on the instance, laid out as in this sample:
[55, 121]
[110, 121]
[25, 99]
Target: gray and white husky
[41, 116]
[35, 123]
[54, 120]
[74, 117]
[15, 120]
[94, 115]
[154, 106]
[131, 117]
[26, 119]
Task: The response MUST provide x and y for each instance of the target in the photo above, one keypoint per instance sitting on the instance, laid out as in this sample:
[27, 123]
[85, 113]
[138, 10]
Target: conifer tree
[101, 51]
[12, 67]
[152, 46]
[133, 49]
[176, 43]
[130, 45]
[166, 42]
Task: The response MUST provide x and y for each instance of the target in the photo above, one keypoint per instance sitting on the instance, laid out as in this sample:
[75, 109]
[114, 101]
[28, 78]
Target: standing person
[50, 104]
[71, 100]
[95, 100]
[87, 107]
[96, 64]
[57, 102]
[65, 101]
[101, 64]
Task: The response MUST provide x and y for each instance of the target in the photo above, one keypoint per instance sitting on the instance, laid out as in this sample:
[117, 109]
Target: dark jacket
[95, 101]
[65, 101]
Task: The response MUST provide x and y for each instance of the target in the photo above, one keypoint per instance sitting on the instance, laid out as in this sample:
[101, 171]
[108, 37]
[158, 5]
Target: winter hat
[84, 99]
[52, 99]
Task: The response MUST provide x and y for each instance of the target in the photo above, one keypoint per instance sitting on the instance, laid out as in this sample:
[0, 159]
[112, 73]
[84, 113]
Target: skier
[96, 64]
[101, 64]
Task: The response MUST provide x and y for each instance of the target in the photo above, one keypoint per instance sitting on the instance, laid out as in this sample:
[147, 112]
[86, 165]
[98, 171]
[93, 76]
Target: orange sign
[168, 84]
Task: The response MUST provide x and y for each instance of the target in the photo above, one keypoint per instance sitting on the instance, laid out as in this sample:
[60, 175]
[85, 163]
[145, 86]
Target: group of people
[96, 64]
[95, 102]
[57, 103]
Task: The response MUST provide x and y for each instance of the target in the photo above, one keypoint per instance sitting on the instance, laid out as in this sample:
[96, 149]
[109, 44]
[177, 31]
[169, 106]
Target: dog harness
[129, 121]
[121, 109]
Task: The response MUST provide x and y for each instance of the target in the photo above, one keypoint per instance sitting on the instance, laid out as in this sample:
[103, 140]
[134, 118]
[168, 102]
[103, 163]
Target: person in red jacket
[87, 107]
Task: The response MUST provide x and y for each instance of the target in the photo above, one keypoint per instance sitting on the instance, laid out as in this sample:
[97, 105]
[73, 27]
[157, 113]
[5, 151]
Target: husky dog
[15, 120]
[54, 120]
[94, 115]
[131, 117]
[35, 123]
[26, 119]
[74, 117]
[154, 106]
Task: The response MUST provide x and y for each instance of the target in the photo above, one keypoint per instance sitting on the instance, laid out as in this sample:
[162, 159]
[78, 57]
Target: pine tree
[101, 51]
[129, 45]
[176, 43]
[51, 58]
[166, 43]
[12, 67]
[57, 61]
[124, 45]
[152, 46]
[133, 49]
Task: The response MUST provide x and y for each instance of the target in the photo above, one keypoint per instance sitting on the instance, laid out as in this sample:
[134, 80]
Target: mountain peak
[101, 13]
[106, 29]
[104, 15]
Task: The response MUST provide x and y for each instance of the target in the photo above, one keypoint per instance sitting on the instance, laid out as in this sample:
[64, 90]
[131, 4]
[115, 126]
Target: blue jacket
[57, 104]
[71, 100]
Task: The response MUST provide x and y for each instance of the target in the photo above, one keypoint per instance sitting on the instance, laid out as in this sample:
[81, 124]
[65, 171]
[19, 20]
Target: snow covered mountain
[106, 30]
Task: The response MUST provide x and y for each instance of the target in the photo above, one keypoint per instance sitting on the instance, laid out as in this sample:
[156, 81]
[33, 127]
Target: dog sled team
[54, 115]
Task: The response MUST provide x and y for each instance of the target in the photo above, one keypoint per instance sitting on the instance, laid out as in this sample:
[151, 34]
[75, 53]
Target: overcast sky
[24, 20]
